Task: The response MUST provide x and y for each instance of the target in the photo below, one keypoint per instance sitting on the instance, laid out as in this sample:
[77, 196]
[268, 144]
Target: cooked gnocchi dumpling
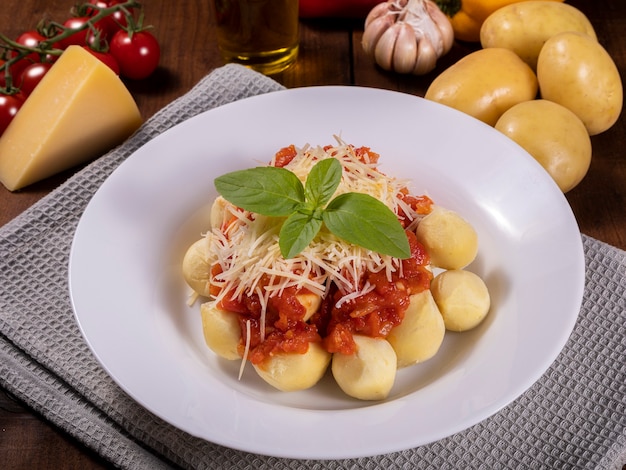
[290, 372]
[197, 266]
[369, 373]
[421, 333]
[221, 331]
[450, 240]
[462, 297]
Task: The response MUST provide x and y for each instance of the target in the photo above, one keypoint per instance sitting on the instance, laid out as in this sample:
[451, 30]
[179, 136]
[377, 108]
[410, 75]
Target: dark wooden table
[330, 55]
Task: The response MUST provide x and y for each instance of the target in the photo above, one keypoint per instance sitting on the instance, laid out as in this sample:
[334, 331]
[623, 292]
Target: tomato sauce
[284, 156]
[373, 314]
[285, 330]
[422, 205]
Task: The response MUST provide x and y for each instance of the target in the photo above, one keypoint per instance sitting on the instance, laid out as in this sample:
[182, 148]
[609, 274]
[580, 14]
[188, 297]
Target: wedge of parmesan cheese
[79, 110]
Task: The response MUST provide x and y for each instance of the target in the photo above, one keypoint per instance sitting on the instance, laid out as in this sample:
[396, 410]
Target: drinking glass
[260, 34]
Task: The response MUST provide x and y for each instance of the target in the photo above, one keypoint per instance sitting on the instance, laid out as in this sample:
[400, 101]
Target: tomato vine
[112, 30]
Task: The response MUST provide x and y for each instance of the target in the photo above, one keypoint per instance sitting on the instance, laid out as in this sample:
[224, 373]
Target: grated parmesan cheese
[246, 350]
[246, 247]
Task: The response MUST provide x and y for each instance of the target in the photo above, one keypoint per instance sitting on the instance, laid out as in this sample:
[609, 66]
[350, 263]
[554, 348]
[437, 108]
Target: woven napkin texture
[573, 417]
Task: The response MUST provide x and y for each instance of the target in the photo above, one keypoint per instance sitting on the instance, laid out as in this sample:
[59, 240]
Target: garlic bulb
[407, 36]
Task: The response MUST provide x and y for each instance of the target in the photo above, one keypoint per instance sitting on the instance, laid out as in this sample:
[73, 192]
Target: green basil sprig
[357, 218]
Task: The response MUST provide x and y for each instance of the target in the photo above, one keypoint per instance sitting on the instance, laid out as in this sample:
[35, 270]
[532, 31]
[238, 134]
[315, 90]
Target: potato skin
[419, 336]
[577, 72]
[484, 84]
[290, 372]
[554, 136]
[524, 27]
[462, 298]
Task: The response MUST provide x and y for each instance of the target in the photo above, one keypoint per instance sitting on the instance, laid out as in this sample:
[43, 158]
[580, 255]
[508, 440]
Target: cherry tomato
[33, 39]
[32, 75]
[9, 106]
[79, 38]
[137, 54]
[15, 69]
[30, 39]
[105, 57]
[112, 23]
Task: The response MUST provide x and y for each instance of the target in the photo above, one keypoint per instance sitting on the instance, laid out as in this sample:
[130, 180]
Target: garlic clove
[383, 53]
[405, 49]
[426, 57]
[373, 33]
[376, 12]
[443, 24]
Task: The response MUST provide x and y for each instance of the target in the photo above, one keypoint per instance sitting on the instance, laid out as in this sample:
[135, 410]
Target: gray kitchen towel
[574, 416]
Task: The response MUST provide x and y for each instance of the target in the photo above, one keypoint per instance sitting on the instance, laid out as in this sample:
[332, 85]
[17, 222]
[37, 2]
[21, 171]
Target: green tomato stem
[45, 47]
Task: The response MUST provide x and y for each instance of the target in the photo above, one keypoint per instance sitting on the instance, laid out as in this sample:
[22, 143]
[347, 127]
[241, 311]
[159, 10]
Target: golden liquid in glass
[260, 34]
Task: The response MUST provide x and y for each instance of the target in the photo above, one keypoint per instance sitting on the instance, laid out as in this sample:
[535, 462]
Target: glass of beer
[260, 34]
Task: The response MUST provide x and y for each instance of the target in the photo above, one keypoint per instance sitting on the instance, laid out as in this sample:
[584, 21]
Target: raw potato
[525, 27]
[450, 240]
[484, 84]
[421, 333]
[462, 298]
[221, 329]
[368, 374]
[292, 372]
[554, 136]
[576, 71]
[197, 266]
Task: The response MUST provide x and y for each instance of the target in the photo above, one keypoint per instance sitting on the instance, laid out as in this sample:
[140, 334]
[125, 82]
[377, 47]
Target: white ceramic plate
[130, 300]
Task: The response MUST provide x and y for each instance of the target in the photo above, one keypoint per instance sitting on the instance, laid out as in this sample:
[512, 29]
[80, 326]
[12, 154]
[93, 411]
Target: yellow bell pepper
[467, 16]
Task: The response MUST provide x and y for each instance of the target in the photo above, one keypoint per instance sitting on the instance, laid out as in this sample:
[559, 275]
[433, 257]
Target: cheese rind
[79, 110]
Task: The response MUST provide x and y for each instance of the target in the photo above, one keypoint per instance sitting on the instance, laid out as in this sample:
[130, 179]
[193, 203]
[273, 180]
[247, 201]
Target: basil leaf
[322, 182]
[296, 233]
[357, 218]
[265, 190]
[363, 220]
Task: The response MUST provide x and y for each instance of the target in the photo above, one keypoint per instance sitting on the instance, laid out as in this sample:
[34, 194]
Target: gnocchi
[221, 331]
[462, 298]
[197, 267]
[450, 240]
[421, 332]
[370, 372]
[337, 307]
[292, 372]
